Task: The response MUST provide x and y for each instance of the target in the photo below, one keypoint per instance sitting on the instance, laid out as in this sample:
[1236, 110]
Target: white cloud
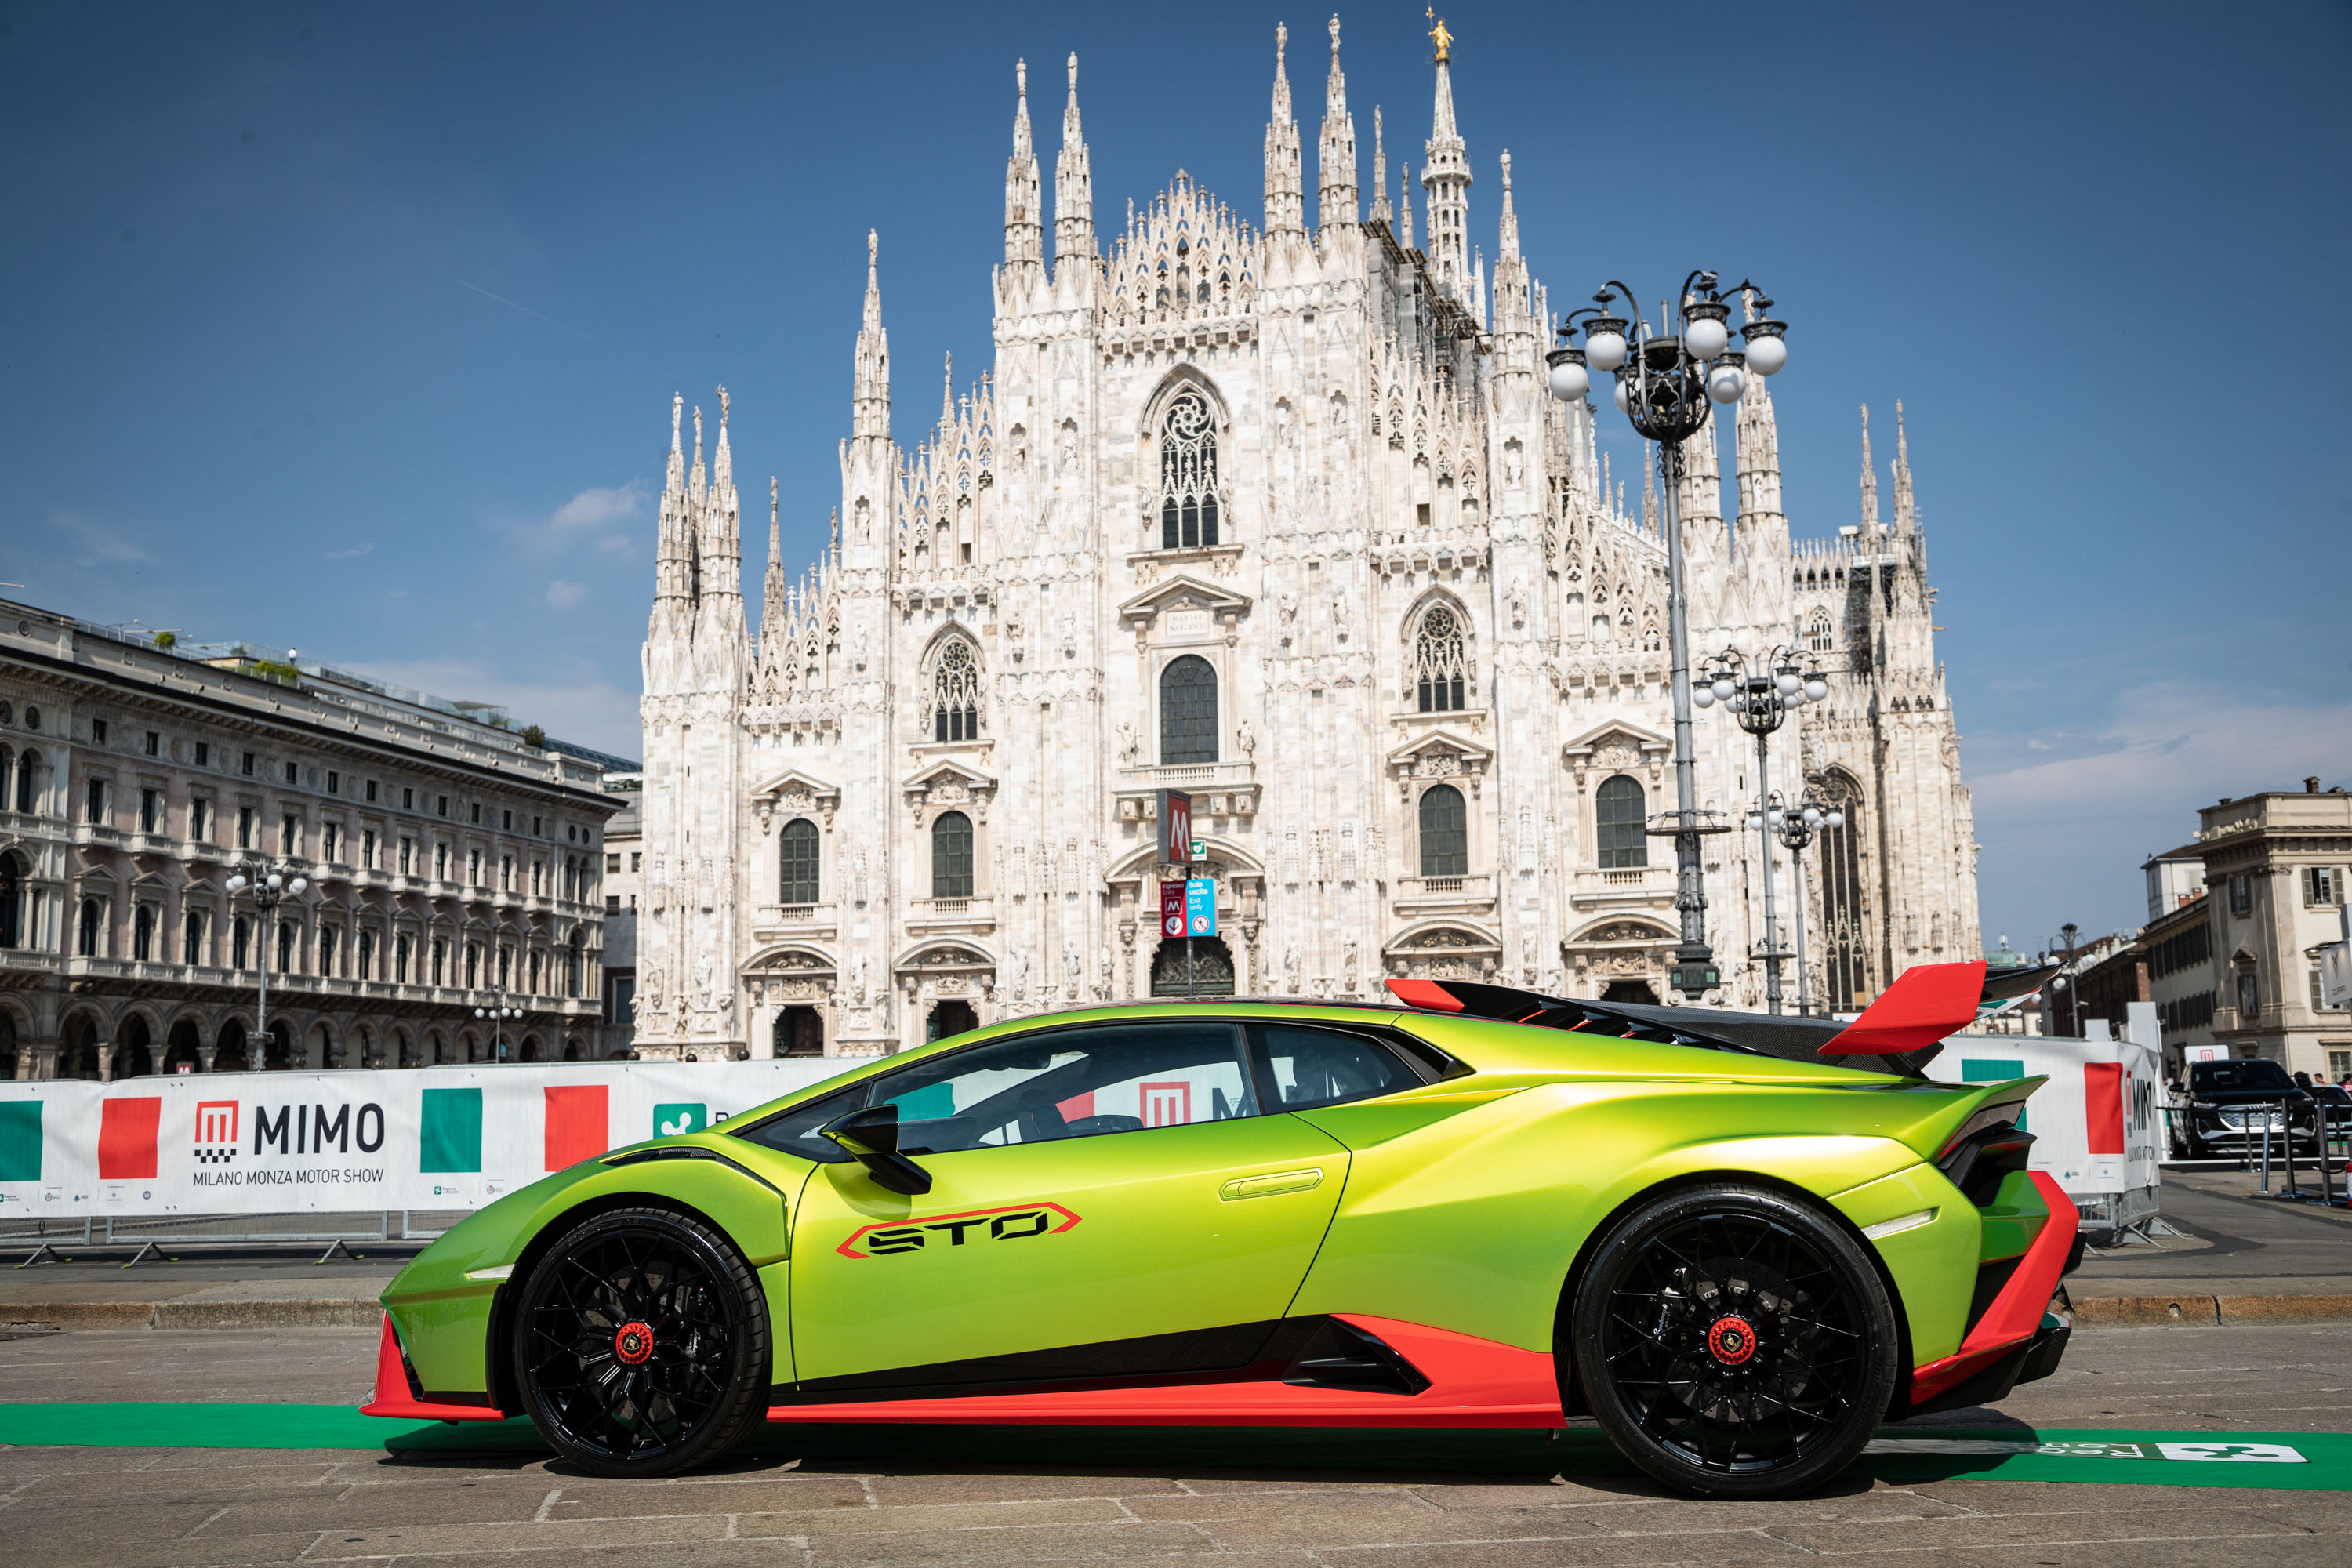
[564, 595]
[89, 544]
[596, 507]
[354, 552]
[575, 703]
[2064, 839]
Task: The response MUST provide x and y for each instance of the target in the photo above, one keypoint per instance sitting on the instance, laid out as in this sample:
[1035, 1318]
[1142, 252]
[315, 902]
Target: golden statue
[1438, 35]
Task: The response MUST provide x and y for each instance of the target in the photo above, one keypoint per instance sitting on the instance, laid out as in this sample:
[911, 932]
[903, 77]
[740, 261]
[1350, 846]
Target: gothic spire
[723, 462]
[671, 569]
[694, 482]
[870, 393]
[1284, 197]
[1335, 163]
[1404, 203]
[1074, 187]
[947, 399]
[1869, 479]
[1380, 212]
[1445, 179]
[1759, 455]
[1905, 519]
[720, 546]
[1510, 250]
[1024, 231]
[773, 588]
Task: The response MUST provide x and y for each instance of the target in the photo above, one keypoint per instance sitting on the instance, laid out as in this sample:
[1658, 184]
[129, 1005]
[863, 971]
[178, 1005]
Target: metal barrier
[150, 1235]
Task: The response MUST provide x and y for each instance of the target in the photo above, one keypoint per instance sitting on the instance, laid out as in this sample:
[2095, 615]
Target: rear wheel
[1734, 1342]
[641, 1345]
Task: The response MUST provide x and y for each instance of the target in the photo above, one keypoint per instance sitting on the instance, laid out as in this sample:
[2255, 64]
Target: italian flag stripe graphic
[579, 1124]
[20, 1141]
[126, 1139]
[450, 1135]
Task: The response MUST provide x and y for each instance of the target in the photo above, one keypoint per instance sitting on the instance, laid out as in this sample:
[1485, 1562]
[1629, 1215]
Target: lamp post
[1796, 826]
[497, 1013]
[2061, 984]
[1760, 693]
[266, 887]
[1664, 382]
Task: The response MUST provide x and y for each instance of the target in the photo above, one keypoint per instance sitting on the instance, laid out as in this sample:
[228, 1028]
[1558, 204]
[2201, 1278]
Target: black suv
[2230, 1105]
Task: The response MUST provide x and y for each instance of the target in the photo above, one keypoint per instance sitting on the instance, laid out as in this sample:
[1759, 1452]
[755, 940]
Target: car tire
[1733, 1342]
[641, 1345]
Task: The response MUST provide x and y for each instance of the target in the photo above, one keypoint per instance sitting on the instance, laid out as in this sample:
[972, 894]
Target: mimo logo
[215, 1139]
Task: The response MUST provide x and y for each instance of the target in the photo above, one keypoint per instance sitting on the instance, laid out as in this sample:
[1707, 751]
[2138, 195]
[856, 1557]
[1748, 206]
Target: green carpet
[2301, 1462]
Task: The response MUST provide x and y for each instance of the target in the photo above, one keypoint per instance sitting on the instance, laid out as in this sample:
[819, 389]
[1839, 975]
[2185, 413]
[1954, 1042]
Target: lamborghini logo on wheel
[975, 1226]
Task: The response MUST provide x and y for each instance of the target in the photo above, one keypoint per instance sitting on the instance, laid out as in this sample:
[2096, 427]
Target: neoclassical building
[1278, 512]
[452, 865]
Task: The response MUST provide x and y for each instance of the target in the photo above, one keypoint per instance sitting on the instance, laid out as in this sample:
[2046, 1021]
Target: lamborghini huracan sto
[1737, 1243]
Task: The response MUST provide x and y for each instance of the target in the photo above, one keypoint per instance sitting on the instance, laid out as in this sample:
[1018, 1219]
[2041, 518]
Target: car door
[1114, 1186]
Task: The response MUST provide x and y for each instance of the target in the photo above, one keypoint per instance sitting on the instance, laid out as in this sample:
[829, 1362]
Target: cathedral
[1275, 510]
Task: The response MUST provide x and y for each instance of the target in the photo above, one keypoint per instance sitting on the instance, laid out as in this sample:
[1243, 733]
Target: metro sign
[1171, 910]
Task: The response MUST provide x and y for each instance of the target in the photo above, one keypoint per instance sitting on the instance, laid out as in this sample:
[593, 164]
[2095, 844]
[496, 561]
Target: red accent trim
[2016, 1312]
[1068, 1219]
[1926, 1002]
[1429, 995]
[391, 1397]
[1472, 1383]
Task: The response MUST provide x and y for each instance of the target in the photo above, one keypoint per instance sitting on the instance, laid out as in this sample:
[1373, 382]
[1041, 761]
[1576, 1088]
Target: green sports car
[1737, 1243]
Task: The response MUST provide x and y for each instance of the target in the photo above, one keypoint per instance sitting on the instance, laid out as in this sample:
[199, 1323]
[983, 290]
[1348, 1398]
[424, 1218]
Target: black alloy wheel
[1735, 1342]
[641, 1345]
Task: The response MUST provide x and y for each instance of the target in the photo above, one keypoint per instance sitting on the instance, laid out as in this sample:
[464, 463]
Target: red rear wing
[1926, 1002]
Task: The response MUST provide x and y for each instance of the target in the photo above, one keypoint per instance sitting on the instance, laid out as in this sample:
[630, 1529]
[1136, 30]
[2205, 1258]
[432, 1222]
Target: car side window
[1304, 1066]
[795, 1131]
[1071, 1083]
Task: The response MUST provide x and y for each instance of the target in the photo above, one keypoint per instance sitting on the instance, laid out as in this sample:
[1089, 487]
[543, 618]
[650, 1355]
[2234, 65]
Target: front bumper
[2017, 1339]
[399, 1393]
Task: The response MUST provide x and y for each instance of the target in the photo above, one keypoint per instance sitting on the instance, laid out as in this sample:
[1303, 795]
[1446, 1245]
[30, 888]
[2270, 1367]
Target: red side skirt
[2017, 1311]
[1472, 1383]
[391, 1396]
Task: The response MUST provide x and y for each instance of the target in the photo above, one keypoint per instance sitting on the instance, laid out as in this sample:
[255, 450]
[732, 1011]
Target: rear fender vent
[1978, 1162]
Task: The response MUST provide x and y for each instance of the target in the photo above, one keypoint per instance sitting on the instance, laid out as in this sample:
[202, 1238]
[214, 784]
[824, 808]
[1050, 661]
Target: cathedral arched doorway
[949, 1019]
[800, 1032]
[1209, 971]
[1634, 991]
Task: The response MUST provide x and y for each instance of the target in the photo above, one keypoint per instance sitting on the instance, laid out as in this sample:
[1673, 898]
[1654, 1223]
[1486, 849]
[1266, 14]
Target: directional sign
[1171, 910]
[1200, 907]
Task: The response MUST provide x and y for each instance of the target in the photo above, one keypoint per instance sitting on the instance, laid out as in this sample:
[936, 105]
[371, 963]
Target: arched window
[1846, 946]
[1441, 661]
[26, 767]
[192, 947]
[798, 859]
[142, 933]
[1619, 811]
[365, 957]
[955, 693]
[1188, 474]
[240, 942]
[86, 941]
[1188, 712]
[399, 954]
[1444, 832]
[1819, 635]
[12, 902]
[951, 855]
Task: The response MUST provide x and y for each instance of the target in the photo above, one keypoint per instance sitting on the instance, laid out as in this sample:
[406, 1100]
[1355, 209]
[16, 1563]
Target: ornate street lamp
[1666, 381]
[498, 1015]
[1796, 826]
[266, 888]
[1759, 694]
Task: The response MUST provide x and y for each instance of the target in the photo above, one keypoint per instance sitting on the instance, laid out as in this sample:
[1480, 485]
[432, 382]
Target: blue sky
[356, 329]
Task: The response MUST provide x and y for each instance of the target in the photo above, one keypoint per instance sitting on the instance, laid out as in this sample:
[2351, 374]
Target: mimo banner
[417, 1138]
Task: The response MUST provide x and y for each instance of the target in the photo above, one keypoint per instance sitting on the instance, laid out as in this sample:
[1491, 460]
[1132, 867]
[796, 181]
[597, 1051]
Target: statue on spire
[1439, 36]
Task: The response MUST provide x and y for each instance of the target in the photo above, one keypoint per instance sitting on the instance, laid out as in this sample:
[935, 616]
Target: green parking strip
[2298, 1461]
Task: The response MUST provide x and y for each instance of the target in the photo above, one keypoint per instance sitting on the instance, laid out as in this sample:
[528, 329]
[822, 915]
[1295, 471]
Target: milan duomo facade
[1284, 517]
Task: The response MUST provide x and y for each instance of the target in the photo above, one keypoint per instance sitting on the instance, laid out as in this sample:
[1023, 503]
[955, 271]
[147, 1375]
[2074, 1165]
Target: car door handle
[1267, 1187]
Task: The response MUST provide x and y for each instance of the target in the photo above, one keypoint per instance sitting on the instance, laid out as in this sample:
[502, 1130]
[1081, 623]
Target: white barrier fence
[450, 1137]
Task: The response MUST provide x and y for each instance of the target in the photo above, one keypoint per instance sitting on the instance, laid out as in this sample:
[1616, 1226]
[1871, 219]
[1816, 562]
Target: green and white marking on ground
[2299, 1461]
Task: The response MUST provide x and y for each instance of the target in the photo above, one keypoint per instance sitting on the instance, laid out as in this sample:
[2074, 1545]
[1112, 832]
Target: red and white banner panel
[420, 1138]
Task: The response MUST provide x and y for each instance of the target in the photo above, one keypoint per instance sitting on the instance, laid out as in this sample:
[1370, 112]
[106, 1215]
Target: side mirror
[871, 1137]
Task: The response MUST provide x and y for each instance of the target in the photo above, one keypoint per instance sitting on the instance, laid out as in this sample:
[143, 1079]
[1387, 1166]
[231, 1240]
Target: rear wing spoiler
[1899, 1032]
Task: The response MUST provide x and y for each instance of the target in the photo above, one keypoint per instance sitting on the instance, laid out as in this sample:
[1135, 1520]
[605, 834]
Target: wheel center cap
[633, 1343]
[1731, 1340]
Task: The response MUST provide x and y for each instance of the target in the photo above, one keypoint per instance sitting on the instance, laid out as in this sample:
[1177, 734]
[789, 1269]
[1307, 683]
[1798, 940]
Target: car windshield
[2207, 1076]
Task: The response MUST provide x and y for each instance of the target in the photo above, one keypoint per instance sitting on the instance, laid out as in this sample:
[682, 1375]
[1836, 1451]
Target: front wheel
[1733, 1341]
[641, 1345]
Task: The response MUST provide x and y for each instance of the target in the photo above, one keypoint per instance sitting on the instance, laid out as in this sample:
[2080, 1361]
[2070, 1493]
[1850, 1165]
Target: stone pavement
[127, 1508]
